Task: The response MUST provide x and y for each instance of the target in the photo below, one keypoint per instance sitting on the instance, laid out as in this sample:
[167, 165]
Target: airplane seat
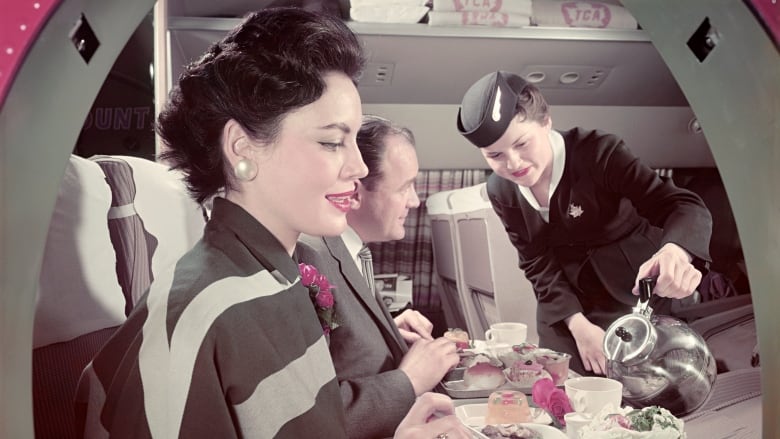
[476, 292]
[496, 286]
[515, 297]
[112, 228]
[445, 250]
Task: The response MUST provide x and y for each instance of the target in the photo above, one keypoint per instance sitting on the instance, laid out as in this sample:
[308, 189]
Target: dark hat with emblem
[488, 106]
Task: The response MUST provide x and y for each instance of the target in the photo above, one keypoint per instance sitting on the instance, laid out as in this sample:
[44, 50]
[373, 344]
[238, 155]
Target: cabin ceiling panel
[436, 66]
[438, 70]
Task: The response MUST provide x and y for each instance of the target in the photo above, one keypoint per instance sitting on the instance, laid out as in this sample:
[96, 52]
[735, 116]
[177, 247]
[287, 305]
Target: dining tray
[455, 387]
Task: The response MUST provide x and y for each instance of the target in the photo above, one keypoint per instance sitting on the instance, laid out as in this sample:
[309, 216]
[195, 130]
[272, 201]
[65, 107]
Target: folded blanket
[392, 13]
[581, 14]
[523, 7]
[387, 3]
[496, 19]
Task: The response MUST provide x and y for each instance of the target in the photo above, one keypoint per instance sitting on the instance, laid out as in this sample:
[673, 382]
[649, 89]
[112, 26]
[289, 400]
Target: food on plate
[525, 348]
[519, 352]
[556, 363]
[459, 336]
[507, 407]
[483, 375]
[651, 422]
[512, 431]
[466, 358]
[468, 361]
[524, 373]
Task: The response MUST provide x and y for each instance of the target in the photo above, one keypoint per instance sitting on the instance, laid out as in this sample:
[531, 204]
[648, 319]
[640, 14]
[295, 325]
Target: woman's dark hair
[270, 64]
[531, 104]
[371, 142]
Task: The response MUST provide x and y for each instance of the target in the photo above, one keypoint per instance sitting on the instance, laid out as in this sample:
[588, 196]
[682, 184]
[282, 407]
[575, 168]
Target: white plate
[482, 347]
[546, 431]
[474, 415]
[479, 346]
[456, 388]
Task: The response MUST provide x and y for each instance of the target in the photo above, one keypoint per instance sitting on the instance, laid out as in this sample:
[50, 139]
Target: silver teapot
[659, 359]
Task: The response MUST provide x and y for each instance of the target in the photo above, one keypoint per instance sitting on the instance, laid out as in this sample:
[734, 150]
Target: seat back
[495, 286]
[445, 251]
[474, 288]
[117, 221]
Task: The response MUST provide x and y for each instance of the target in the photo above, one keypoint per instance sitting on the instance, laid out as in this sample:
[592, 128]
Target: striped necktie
[367, 267]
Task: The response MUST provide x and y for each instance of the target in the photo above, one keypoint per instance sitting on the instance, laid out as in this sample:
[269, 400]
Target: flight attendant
[588, 219]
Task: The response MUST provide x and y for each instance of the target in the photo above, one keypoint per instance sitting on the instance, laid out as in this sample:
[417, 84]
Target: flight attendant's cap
[488, 106]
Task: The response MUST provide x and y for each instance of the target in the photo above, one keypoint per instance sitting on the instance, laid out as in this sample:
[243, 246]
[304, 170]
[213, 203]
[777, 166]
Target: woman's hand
[432, 417]
[675, 276]
[413, 326]
[590, 343]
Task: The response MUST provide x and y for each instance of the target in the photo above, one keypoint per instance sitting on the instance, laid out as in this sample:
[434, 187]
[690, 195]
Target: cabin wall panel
[735, 95]
[40, 120]
[658, 135]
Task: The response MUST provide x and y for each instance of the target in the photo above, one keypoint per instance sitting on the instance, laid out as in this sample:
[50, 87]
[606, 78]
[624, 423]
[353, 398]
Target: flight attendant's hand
[432, 416]
[590, 343]
[675, 276]
[413, 326]
[427, 362]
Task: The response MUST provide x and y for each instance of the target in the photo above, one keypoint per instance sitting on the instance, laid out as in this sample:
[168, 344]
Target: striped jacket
[225, 344]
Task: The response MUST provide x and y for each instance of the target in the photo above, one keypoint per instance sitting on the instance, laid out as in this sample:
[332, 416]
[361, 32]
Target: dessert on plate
[483, 375]
[555, 364]
[507, 407]
[524, 373]
[460, 337]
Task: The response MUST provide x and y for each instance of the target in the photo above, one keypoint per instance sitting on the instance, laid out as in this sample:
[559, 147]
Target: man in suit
[382, 363]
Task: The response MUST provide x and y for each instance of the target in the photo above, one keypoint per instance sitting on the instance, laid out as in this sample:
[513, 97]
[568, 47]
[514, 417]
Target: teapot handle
[646, 286]
[645, 292]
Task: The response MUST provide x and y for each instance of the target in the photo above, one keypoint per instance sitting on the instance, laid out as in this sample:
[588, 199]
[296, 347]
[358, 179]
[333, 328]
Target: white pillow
[78, 290]
[166, 209]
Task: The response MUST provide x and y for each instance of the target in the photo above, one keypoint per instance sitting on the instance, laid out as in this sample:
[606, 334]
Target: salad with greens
[651, 422]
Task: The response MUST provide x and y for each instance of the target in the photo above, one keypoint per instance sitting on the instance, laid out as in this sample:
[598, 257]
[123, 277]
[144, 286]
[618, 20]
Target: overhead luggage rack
[423, 56]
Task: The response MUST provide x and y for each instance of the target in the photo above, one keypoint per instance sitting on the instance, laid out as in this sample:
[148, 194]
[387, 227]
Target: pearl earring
[245, 170]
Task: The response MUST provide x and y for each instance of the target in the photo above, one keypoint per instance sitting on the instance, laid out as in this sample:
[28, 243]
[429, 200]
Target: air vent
[565, 76]
[377, 74]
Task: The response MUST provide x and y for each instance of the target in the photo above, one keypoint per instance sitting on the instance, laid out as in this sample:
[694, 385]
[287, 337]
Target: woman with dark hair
[227, 343]
[587, 218]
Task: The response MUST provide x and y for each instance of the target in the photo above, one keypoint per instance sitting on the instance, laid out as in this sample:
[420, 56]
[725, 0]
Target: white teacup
[510, 333]
[590, 394]
[574, 423]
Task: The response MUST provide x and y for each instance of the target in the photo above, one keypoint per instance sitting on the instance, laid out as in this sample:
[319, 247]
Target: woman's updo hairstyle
[269, 65]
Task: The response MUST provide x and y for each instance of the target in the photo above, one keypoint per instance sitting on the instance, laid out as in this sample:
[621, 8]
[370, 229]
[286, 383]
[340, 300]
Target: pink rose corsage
[552, 399]
[320, 291]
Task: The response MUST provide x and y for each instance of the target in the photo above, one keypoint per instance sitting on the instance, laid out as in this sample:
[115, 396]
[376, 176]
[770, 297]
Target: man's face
[383, 210]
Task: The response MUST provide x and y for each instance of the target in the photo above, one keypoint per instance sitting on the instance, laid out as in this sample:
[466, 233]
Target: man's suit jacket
[366, 348]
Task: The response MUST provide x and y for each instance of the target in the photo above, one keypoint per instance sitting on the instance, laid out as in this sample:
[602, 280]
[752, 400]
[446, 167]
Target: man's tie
[367, 267]
[392, 337]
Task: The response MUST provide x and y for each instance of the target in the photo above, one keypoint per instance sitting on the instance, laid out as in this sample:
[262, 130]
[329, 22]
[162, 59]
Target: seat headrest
[118, 222]
[78, 291]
